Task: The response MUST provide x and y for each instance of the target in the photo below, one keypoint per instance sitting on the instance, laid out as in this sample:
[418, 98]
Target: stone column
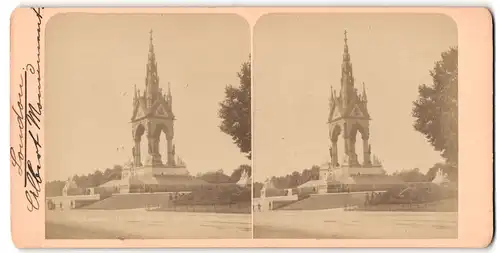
[347, 147]
[170, 152]
[353, 157]
[153, 151]
[136, 153]
[347, 151]
[334, 153]
[157, 151]
[366, 152]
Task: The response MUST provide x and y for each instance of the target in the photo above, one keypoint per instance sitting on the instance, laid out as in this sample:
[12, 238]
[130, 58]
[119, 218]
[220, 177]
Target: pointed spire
[169, 96]
[169, 92]
[151, 55]
[152, 79]
[346, 48]
[331, 94]
[347, 81]
[151, 39]
[364, 93]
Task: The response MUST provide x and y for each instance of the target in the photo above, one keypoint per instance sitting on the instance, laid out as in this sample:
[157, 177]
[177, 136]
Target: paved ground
[343, 224]
[139, 224]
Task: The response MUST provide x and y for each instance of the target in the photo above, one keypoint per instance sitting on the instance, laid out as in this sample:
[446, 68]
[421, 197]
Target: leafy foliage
[54, 188]
[235, 111]
[290, 180]
[218, 176]
[413, 175]
[257, 187]
[448, 169]
[236, 175]
[296, 178]
[98, 177]
[215, 177]
[436, 110]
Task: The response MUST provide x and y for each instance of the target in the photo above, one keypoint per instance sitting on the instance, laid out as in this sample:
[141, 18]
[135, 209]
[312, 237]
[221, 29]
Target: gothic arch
[335, 132]
[138, 132]
[164, 127]
[363, 129]
[358, 127]
[158, 128]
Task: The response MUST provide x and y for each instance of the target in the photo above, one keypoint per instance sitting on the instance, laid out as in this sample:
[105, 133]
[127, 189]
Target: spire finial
[151, 41]
[345, 41]
[364, 92]
[331, 95]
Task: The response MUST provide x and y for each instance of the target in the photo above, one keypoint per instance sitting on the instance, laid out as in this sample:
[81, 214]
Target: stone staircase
[327, 201]
[131, 201]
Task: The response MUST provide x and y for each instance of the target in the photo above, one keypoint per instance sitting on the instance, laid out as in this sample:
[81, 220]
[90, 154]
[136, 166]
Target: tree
[436, 110]
[449, 170]
[257, 187]
[413, 175]
[54, 188]
[315, 172]
[215, 177]
[235, 111]
[97, 178]
[236, 175]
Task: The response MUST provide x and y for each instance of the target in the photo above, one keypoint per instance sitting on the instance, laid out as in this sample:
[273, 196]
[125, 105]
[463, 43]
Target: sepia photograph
[355, 126]
[234, 127]
[147, 126]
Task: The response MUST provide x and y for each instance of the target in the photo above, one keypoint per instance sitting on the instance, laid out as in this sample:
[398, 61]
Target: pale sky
[298, 57]
[92, 59]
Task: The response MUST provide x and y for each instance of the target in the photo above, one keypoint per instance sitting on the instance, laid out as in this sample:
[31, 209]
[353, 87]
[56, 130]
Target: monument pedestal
[162, 170]
[160, 175]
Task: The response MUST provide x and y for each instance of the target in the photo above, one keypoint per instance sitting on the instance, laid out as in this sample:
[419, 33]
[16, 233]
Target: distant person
[270, 205]
[258, 206]
[367, 199]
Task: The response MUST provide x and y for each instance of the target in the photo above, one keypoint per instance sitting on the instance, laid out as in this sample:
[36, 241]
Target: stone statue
[264, 188]
[68, 185]
[243, 178]
[440, 177]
